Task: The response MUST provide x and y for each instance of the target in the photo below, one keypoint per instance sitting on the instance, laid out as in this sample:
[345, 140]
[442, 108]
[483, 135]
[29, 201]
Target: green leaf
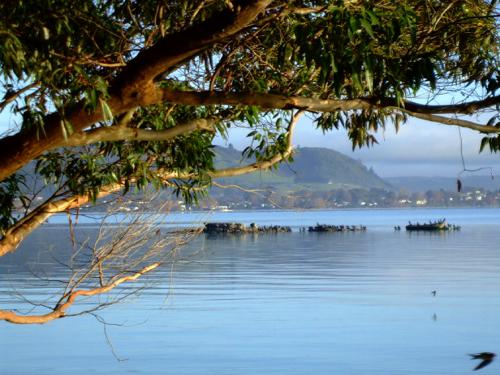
[46, 33]
[369, 80]
[373, 17]
[66, 128]
[106, 111]
[366, 25]
[484, 142]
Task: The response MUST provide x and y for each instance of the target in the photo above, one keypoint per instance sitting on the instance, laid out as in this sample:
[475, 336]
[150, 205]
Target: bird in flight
[485, 357]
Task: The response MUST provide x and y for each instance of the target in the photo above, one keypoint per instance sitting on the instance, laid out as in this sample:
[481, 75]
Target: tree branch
[454, 122]
[133, 86]
[262, 100]
[117, 133]
[263, 164]
[59, 310]
[20, 230]
[11, 96]
[176, 48]
[274, 101]
[465, 108]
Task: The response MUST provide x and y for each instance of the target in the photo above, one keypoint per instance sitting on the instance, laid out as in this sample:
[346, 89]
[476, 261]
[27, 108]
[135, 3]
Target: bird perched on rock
[485, 357]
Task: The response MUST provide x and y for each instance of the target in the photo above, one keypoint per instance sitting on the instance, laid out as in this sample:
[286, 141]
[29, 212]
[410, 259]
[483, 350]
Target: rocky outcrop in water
[336, 228]
[213, 228]
[235, 228]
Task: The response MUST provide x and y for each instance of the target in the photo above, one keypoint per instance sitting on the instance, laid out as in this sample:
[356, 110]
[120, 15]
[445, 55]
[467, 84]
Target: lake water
[293, 303]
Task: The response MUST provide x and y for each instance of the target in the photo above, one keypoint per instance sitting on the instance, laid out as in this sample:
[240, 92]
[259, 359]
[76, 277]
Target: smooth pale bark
[274, 101]
[118, 133]
[20, 230]
[487, 129]
[59, 311]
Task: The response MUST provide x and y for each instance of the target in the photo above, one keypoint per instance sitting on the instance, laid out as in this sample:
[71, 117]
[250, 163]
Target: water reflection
[299, 303]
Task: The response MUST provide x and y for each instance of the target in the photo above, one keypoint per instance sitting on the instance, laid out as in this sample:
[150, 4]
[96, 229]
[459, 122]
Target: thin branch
[90, 61]
[110, 343]
[305, 11]
[196, 11]
[238, 187]
[262, 164]
[454, 122]
[464, 167]
[60, 310]
[11, 96]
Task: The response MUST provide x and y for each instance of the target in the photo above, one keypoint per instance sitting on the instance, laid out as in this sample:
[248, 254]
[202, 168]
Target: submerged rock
[336, 228]
[241, 228]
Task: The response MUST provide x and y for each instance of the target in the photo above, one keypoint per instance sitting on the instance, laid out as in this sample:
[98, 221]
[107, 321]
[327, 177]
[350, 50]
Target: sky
[419, 148]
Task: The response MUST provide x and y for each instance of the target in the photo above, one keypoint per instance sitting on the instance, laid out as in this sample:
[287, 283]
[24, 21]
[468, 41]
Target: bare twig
[120, 254]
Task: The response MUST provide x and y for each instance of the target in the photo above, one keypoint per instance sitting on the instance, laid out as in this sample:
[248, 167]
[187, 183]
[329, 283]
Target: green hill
[312, 168]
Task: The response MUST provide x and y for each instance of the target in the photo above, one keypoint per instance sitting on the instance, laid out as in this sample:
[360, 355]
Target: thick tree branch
[18, 149]
[133, 86]
[21, 229]
[274, 101]
[59, 310]
[117, 133]
[265, 101]
[465, 108]
[176, 48]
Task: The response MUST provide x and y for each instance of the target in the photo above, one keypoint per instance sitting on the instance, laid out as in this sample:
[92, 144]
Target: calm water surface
[298, 303]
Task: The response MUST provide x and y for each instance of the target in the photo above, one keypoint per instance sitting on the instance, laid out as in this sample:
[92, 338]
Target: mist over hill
[422, 184]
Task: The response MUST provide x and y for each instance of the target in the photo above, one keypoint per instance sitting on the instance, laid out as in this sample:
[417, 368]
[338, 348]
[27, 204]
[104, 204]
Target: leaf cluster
[369, 49]
[141, 163]
[11, 198]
